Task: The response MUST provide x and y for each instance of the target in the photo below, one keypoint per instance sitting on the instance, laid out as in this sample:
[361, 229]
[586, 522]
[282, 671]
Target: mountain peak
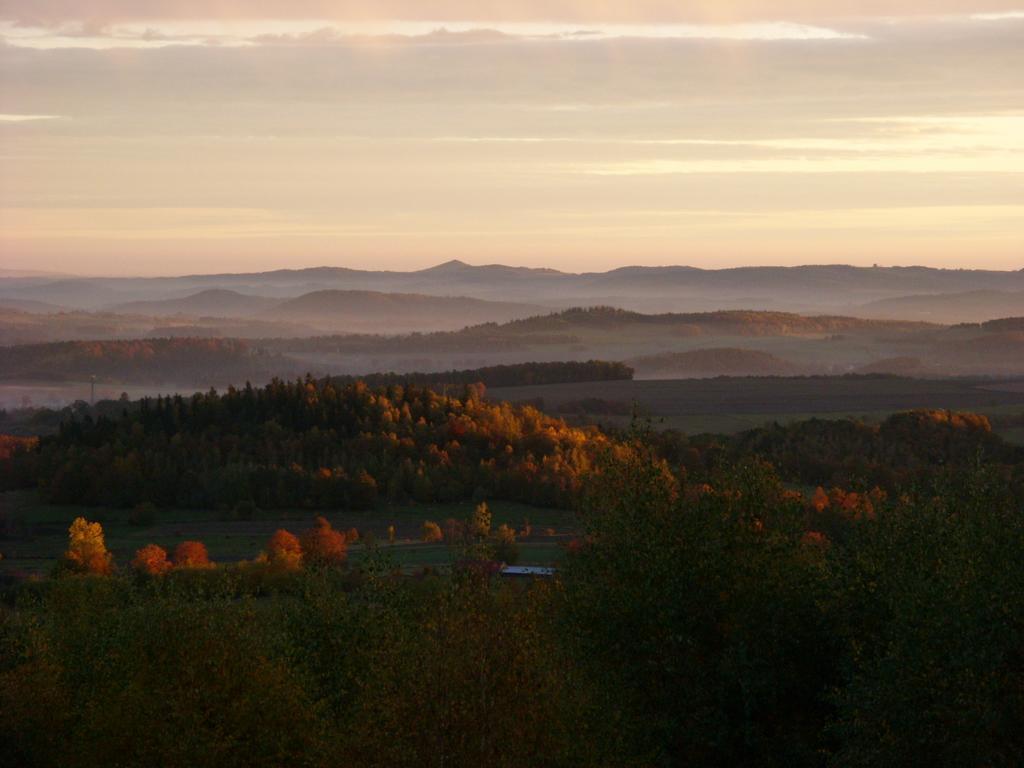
[454, 265]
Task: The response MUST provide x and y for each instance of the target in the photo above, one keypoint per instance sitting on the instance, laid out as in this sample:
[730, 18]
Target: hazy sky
[158, 137]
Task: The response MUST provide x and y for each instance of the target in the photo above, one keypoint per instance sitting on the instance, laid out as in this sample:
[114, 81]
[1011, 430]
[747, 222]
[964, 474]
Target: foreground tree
[932, 607]
[699, 616]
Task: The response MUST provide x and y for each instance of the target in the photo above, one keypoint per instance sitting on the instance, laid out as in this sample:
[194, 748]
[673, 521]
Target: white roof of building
[527, 570]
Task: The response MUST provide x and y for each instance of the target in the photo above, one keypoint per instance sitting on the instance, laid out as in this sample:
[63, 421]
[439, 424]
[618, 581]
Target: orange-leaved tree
[431, 531]
[87, 550]
[191, 554]
[324, 546]
[284, 550]
[152, 560]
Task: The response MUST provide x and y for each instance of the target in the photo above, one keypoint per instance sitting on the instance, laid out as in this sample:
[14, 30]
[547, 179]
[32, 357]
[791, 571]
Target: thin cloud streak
[27, 118]
[576, 11]
[322, 32]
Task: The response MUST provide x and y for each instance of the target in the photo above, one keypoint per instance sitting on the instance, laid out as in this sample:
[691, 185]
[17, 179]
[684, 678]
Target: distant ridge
[216, 302]
[738, 322]
[354, 311]
[966, 307]
[810, 289]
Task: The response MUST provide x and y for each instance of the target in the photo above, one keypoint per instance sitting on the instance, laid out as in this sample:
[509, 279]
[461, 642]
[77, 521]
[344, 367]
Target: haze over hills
[806, 289]
[967, 307]
[29, 305]
[376, 312]
[693, 345]
[706, 363]
[213, 302]
[221, 312]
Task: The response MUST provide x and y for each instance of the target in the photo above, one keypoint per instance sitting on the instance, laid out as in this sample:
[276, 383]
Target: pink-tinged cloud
[634, 11]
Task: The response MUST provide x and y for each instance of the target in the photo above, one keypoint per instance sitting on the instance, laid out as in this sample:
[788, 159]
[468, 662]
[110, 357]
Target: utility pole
[92, 390]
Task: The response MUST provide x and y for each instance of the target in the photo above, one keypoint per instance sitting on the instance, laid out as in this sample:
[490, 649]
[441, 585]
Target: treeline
[716, 361]
[909, 452]
[905, 451]
[731, 622]
[517, 375]
[722, 322]
[184, 361]
[312, 444]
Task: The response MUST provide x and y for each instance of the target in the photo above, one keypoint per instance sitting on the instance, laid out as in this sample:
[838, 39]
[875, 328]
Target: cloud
[576, 11]
[6, 118]
[236, 33]
[492, 139]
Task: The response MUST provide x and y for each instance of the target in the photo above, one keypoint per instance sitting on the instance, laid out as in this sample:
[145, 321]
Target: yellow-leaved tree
[480, 522]
[87, 550]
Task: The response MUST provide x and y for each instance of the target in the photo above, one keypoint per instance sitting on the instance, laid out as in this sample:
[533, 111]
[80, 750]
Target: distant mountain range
[804, 289]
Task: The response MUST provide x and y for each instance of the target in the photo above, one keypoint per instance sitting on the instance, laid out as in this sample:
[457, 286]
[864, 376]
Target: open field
[38, 531]
[728, 405]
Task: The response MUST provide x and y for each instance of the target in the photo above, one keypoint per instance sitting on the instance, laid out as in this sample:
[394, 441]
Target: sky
[168, 137]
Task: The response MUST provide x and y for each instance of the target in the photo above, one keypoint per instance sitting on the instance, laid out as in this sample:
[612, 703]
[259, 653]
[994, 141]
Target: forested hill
[311, 444]
[193, 362]
[376, 312]
[725, 322]
[602, 324]
[905, 452]
[201, 363]
[324, 444]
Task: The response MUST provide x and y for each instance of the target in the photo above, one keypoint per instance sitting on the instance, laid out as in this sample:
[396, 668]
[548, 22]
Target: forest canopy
[311, 443]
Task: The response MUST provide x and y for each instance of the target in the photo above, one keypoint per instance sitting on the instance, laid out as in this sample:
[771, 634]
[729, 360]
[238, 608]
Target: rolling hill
[721, 323]
[967, 307]
[213, 302]
[376, 312]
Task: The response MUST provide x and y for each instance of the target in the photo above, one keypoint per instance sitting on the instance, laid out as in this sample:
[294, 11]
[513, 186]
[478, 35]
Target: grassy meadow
[37, 533]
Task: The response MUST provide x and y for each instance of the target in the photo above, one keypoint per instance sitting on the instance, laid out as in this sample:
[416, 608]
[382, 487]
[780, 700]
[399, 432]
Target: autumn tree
[505, 534]
[480, 522]
[323, 546]
[431, 532]
[151, 560]
[191, 554]
[284, 550]
[87, 550]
